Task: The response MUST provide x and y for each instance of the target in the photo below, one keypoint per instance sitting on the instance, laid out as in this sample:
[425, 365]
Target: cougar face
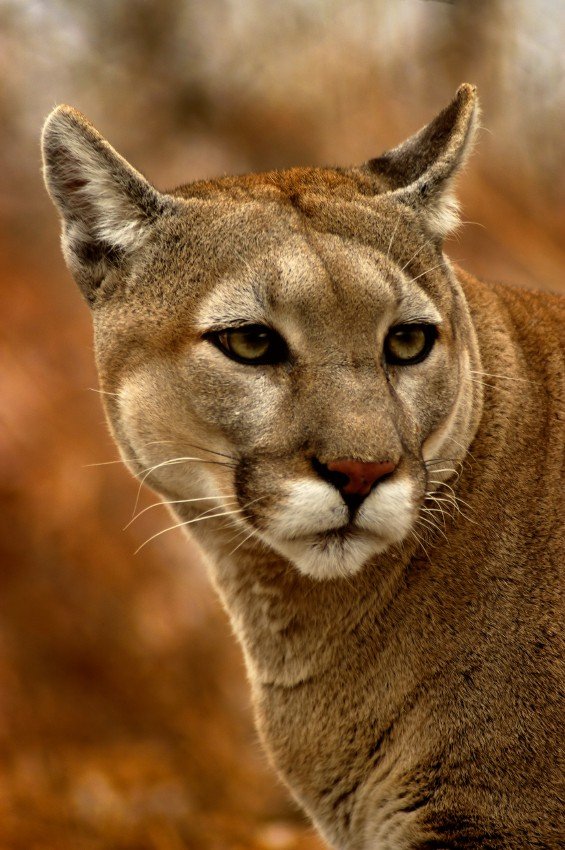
[313, 379]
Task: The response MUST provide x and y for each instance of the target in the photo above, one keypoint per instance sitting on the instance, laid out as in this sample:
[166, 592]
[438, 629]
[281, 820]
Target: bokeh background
[124, 712]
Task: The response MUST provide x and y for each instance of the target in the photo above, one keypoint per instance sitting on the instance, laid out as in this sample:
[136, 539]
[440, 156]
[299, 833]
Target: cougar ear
[106, 206]
[420, 171]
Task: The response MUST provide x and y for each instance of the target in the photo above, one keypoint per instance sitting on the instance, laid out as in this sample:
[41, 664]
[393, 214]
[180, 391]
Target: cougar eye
[411, 343]
[251, 344]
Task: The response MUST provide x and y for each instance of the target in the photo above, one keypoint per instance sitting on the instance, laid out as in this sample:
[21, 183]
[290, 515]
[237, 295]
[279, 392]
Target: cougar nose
[353, 478]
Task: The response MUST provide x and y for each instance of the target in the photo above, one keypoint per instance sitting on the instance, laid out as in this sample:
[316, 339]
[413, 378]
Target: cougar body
[367, 443]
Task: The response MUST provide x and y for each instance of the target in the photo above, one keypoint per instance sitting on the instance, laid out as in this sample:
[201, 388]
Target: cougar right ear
[420, 171]
[106, 206]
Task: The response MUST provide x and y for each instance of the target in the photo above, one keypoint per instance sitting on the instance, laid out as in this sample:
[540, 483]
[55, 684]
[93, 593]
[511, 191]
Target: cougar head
[287, 353]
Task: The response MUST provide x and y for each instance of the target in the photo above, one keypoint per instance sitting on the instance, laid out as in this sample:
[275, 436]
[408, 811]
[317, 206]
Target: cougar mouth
[350, 531]
[342, 532]
[313, 527]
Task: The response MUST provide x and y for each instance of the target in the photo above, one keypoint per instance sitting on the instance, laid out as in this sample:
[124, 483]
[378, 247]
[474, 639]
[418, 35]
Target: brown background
[124, 713]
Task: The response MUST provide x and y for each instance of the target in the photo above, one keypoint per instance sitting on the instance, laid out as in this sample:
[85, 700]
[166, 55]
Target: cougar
[366, 442]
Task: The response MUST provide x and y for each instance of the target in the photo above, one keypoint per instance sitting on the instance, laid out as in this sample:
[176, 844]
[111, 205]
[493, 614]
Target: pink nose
[361, 477]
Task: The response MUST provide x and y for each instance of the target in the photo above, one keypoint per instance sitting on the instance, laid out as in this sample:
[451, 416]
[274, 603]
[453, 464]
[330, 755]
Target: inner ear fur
[106, 206]
[420, 171]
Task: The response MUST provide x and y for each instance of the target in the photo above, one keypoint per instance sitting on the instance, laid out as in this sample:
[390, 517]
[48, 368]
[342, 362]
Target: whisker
[433, 525]
[429, 510]
[246, 505]
[392, 237]
[217, 507]
[149, 469]
[107, 462]
[447, 469]
[503, 377]
[200, 518]
[211, 451]
[477, 223]
[170, 462]
[157, 443]
[176, 502]
[480, 383]
[435, 499]
[438, 266]
[253, 533]
[457, 469]
[449, 487]
[239, 533]
[461, 446]
[420, 541]
[252, 501]
[175, 460]
[439, 500]
[101, 392]
[421, 248]
[452, 501]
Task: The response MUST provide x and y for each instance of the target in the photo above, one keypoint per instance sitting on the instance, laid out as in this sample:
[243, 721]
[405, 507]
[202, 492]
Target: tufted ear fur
[106, 206]
[420, 171]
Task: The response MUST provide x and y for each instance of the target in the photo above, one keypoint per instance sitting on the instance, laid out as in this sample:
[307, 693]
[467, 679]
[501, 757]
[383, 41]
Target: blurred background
[124, 713]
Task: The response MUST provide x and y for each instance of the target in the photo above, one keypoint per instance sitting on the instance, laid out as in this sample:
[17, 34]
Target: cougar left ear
[420, 171]
[106, 206]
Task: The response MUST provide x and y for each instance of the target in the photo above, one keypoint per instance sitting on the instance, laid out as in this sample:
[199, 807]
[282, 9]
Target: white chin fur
[312, 508]
[327, 558]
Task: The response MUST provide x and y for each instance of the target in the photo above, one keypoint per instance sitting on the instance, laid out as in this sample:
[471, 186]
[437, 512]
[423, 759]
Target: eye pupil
[409, 344]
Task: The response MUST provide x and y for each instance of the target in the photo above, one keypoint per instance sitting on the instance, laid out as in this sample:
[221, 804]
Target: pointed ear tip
[60, 118]
[467, 95]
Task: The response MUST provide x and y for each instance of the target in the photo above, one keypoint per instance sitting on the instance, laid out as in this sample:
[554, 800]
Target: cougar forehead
[314, 281]
[220, 260]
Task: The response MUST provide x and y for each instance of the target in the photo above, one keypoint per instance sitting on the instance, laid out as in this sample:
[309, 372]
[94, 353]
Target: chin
[332, 555]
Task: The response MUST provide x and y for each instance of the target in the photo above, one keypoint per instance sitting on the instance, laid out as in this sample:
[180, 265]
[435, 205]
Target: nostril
[353, 478]
[361, 476]
[338, 479]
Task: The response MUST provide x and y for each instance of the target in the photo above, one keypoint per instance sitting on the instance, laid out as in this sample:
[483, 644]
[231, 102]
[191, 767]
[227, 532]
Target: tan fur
[405, 672]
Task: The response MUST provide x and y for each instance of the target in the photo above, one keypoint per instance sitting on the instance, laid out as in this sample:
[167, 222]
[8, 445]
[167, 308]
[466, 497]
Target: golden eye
[410, 343]
[251, 344]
